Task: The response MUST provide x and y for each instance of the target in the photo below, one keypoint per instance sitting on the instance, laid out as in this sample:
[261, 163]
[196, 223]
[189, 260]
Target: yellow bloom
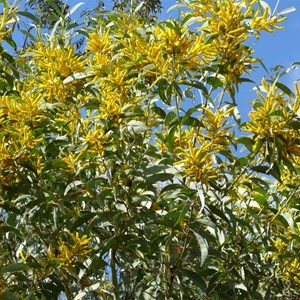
[6, 18]
[216, 127]
[97, 140]
[265, 122]
[59, 61]
[265, 21]
[101, 43]
[197, 162]
[72, 252]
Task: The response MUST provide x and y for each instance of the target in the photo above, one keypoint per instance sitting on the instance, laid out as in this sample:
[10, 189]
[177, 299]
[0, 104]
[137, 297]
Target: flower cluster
[273, 117]
[287, 264]
[196, 157]
[71, 252]
[227, 24]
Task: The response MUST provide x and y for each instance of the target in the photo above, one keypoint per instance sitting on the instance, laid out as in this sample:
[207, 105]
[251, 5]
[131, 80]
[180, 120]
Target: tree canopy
[127, 170]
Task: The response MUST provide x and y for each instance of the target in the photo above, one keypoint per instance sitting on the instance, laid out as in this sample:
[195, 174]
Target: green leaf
[184, 210]
[76, 76]
[295, 124]
[8, 296]
[135, 126]
[5, 229]
[162, 88]
[84, 219]
[203, 247]
[171, 116]
[214, 82]
[176, 6]
[170, 138]
[197, 84]
[14, 267]
[236, 115]
[29, 15]
[160, 177]
[159, 111]
[287, 11]
[28, 34]
[194, 277]
[289, 220]
[54, 6]
[285, 89]
[241, 162]
[72, 185]
[73, 9]
[247, 142]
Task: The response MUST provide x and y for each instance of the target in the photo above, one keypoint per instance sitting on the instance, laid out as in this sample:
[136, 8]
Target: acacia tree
[127, 172]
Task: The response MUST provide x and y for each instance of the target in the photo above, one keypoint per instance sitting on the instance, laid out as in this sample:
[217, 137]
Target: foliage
[127, 172]
[49, 11]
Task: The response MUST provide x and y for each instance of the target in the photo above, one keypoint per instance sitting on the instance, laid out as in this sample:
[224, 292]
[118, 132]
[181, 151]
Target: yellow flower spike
[197, 163]
[99, 43]
[265, 21]
[296, 104]
[6, 18]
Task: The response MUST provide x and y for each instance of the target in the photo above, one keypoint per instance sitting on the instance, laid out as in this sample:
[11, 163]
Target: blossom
[197, 162]
[99, 43]
[72, 251]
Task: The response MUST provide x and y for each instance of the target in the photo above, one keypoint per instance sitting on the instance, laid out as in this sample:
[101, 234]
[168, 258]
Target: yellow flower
[197, 162]
[265, 21]
[73, 252]
[265, 121]
[216, 127]
[62, 62]
[6, 18]
[99, 42]
[97, 140]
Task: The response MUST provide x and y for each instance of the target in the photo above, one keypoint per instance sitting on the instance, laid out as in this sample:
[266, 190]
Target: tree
[127, 172]
[50, 11]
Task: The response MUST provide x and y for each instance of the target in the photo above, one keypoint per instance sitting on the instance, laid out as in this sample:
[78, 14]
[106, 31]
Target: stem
[178, 117]
[168, 267]
[66, 287]
[114, 277]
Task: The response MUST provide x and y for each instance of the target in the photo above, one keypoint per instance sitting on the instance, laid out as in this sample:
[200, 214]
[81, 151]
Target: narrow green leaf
[285, 89]
[27, 33]
[247, 142]
[8, 296]
[74, 8]
[203, 247]
[290, 220]
[72, 185]
[159, 111]
[171, 116]
[5, 229]
[135, 126]
[195, 278]
[76, 76]
[14, 267]
[184, 210]
[28, 15]
[287, 11]
[176, 6]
